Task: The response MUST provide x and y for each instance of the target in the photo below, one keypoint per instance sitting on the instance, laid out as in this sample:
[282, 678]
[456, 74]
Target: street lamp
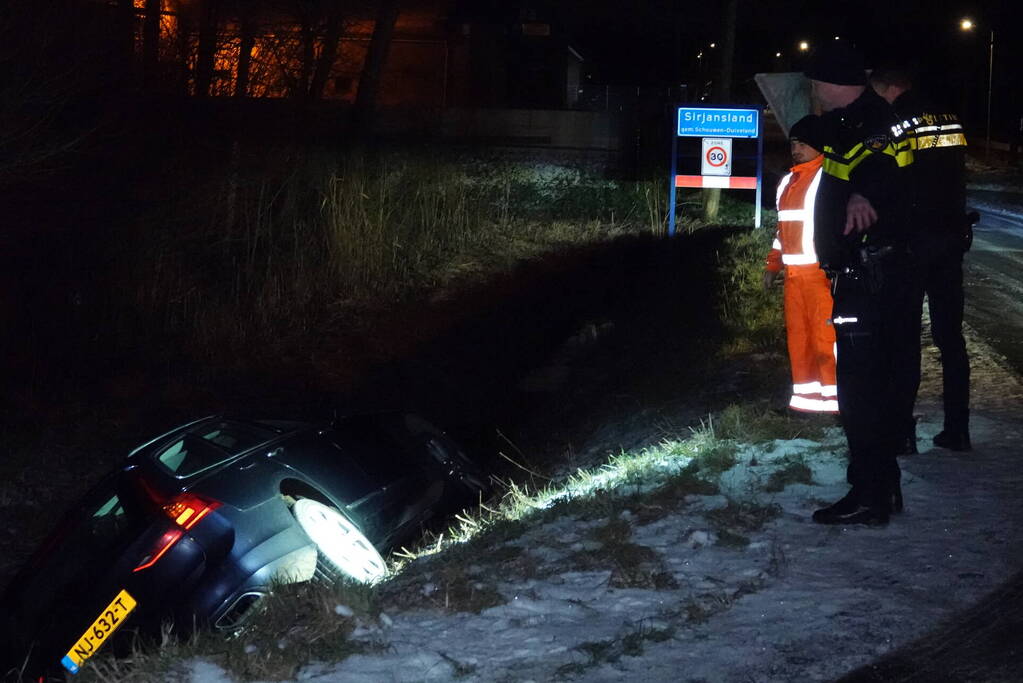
[967, 25]
[803, 46]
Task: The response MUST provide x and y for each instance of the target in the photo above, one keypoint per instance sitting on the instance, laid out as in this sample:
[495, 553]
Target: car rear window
[108, 517]
[210, 444]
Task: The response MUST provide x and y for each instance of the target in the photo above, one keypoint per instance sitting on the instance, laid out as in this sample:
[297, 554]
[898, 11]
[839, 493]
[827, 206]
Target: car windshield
[210, 444]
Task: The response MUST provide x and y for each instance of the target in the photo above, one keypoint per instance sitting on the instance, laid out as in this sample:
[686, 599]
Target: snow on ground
[799, 602]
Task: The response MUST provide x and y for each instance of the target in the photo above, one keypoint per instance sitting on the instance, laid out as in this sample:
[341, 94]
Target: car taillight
[186, 509]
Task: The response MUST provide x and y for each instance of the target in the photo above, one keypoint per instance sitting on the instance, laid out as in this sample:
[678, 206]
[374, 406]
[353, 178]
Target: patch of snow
[788, 601]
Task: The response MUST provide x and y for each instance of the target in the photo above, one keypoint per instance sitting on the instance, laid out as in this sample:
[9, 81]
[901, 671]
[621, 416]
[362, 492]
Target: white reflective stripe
[807, 388]
[808, 205]
[781, 188]
[829, 390]
[798, 259]
[814, 405]
[842, 321]
[809, 254]
[776, 244]
[948, 126]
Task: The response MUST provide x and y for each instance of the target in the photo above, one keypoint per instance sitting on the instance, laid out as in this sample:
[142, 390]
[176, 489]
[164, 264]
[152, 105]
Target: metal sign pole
[760, 167]
[672, 190]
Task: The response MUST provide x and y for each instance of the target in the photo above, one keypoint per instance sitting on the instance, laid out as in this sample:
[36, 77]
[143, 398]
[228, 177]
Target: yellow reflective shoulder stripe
[902, 153]
[841, 166]
[835, 167]
[933, 141]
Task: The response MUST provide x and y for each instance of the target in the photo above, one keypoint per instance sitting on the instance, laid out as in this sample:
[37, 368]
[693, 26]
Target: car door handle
[275, 452]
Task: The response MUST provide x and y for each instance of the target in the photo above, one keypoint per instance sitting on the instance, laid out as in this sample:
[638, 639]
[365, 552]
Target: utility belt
[867, 266]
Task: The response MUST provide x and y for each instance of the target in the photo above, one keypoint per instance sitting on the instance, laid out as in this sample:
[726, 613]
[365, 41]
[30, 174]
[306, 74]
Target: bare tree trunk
[184, 49]
[126, 29]
[308, 57]
[369, 82]
[328, 50]
[247, 42]
[207, 50]
[722, 94]
[151, 42]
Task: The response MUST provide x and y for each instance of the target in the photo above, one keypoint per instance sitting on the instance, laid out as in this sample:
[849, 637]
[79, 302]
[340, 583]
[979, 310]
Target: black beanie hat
[837, 63]
[808, 130]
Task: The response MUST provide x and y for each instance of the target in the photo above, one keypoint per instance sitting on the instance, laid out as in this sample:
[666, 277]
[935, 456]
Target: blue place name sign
[715, 122]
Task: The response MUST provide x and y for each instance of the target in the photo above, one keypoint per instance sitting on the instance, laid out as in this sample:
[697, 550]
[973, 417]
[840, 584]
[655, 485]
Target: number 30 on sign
[717, 156]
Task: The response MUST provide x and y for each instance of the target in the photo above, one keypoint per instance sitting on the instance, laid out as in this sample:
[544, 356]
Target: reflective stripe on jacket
[797, 193]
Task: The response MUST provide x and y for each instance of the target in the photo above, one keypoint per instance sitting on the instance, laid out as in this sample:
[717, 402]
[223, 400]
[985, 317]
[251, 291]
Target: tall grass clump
[272, 245]
[753, 316]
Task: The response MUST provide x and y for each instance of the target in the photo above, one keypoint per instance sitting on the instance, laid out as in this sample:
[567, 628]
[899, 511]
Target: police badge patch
[877, 142]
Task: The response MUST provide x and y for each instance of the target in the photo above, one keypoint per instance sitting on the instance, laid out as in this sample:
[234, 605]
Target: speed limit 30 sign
[717, 156]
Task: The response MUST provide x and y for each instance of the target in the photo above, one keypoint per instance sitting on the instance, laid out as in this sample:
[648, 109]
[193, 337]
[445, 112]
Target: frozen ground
[799, 602]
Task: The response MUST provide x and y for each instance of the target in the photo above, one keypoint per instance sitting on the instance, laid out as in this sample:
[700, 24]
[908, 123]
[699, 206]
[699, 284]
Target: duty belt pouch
[872, 264]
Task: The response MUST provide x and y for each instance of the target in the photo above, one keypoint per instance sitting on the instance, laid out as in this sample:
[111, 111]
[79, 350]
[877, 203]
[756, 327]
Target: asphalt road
[980, 644]
[993, 278]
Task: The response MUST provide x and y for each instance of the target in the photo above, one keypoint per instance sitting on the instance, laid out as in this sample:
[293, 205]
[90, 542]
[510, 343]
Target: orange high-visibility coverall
[811, 337]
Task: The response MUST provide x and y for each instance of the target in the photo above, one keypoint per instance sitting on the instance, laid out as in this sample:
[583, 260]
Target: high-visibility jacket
[811, 338]
[793, 243]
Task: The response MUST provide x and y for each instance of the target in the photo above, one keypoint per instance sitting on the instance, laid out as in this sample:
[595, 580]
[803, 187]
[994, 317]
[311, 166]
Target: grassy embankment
[285, 245]
[383, 231]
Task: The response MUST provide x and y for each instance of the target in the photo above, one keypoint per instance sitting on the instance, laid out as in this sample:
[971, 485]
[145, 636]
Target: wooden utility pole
[722, 94]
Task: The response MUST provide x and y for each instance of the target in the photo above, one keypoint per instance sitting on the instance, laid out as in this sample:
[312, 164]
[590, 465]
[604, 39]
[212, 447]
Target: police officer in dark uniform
[941, 234]
[861, 236]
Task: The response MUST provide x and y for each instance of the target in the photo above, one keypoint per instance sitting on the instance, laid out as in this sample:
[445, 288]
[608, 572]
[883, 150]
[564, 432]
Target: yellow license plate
[109, 620]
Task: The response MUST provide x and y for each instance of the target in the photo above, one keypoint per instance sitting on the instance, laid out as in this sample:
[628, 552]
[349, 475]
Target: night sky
[657, 41]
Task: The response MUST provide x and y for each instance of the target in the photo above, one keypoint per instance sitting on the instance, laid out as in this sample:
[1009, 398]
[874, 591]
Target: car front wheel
[343, 549]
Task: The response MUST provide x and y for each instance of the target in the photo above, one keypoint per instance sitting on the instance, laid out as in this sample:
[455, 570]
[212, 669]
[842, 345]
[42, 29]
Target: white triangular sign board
[788, 95]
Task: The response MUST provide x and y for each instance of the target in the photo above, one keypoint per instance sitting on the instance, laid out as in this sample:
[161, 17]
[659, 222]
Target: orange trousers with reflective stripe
[811, 339]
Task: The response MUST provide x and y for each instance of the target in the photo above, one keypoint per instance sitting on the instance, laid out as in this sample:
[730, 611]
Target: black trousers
[937, 271]
[873, 318]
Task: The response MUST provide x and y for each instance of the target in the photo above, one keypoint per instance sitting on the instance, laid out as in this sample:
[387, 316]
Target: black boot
[856, 508]
[907, 445]
[953, 440]
[896, 498]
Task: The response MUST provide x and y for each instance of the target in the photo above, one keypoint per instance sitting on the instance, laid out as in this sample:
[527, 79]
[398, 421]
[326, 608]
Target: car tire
[343, 551]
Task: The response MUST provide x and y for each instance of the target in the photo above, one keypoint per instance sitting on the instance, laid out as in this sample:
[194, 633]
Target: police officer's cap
[837, 63]
[808, 130]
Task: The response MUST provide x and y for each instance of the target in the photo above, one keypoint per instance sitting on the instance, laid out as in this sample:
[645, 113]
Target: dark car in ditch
[200, 523]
